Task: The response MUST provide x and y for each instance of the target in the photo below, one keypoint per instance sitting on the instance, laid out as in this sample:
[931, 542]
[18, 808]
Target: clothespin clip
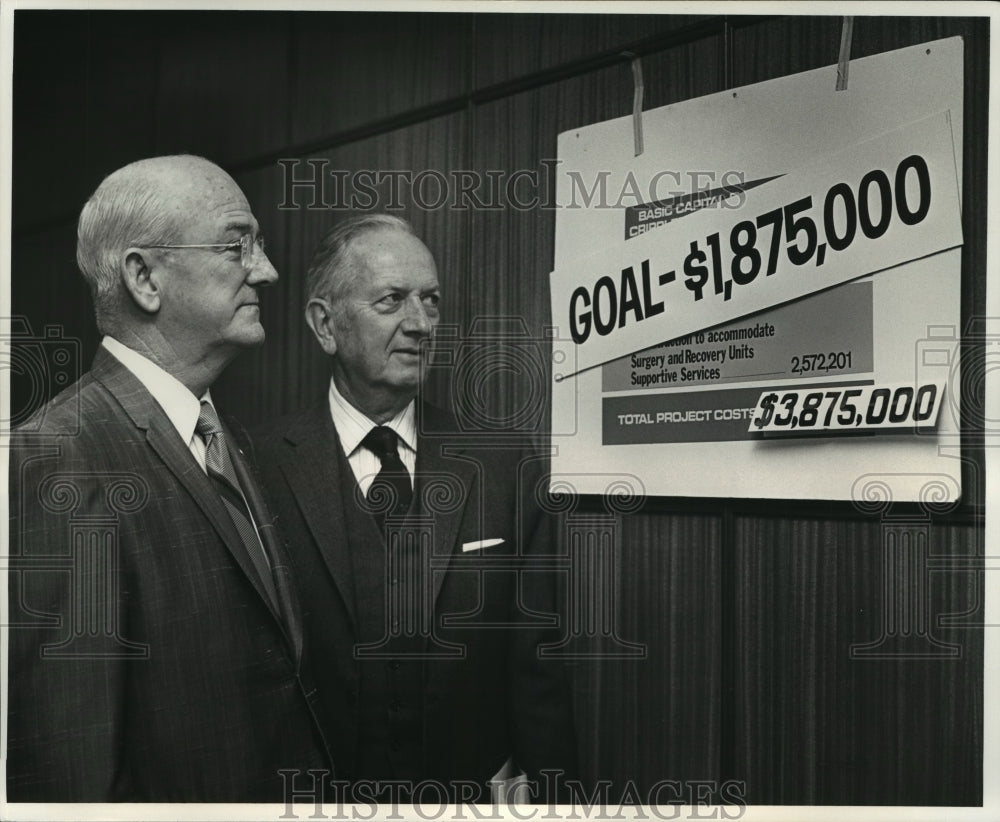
[846, 33]
[636, 101]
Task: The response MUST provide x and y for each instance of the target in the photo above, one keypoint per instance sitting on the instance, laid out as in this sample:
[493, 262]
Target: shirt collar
[353, 426]
[178, 403]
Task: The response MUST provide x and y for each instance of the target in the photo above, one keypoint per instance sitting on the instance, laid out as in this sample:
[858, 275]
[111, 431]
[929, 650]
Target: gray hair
[328, 272]
[129, 208]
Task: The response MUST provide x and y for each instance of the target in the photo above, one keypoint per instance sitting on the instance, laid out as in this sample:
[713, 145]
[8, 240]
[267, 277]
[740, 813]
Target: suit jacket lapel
[312, 468]
[162, 437]
[433, 461]
[291, 618]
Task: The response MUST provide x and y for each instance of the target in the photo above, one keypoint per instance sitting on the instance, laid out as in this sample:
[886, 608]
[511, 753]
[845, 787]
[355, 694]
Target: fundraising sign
[871, 206]
[773, 312]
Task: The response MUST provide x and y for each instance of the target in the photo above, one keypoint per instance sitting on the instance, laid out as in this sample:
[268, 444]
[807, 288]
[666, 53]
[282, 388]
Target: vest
[391, 674]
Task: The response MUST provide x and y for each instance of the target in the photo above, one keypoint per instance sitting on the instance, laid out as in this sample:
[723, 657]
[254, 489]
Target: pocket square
[480, 543]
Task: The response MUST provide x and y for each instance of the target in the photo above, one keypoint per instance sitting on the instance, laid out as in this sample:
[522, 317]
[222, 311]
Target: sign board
[756, 314]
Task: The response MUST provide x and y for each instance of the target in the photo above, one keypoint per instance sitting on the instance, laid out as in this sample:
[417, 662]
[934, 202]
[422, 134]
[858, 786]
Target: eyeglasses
[247, 244]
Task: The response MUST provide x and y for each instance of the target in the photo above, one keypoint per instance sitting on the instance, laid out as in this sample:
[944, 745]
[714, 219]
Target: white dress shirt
[178, 403]
[353, 426]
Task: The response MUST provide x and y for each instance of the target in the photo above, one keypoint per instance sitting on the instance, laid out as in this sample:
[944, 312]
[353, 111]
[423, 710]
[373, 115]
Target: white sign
[812, 244]
[869, 207]
[853, 409]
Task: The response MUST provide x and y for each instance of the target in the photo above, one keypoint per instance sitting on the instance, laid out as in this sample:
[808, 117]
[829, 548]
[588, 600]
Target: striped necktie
[223, 476]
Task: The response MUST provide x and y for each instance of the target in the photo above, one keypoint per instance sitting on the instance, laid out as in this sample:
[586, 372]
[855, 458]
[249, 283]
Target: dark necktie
[223, 476]
[393, 480]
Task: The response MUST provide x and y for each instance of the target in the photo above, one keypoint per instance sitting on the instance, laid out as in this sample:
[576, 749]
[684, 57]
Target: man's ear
[319, 316]
[137, 274]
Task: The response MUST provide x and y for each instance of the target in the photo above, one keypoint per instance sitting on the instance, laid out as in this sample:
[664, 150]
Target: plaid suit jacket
[145, 662]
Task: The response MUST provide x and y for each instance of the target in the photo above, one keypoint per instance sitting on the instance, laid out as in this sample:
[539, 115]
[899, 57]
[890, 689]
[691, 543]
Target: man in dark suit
[156, 640]
[420, 552]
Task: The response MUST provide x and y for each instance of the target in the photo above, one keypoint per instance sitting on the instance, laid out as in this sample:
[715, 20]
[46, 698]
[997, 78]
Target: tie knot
[382, 442]
[208, 421]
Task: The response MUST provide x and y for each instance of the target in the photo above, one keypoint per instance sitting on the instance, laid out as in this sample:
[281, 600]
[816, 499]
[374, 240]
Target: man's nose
[261, 272]
[416, 319]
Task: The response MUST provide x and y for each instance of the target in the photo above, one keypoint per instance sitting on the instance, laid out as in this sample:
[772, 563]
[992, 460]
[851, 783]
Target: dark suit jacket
[146, 663]
[498, 699]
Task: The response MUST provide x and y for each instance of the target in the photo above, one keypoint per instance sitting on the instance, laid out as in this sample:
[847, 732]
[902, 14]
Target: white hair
[328, 273]
[129, 208]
